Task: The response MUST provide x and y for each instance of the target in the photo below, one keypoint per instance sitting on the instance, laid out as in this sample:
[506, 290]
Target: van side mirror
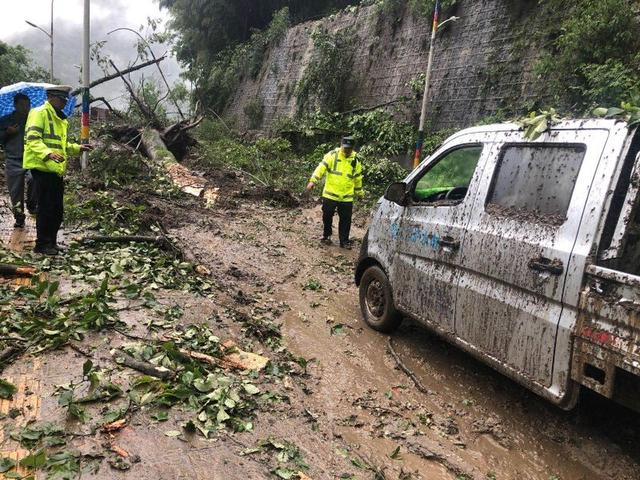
[397, 193]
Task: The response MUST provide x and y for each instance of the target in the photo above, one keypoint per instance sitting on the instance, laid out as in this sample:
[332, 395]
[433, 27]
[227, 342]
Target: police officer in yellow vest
[46, 150]
[343, 184]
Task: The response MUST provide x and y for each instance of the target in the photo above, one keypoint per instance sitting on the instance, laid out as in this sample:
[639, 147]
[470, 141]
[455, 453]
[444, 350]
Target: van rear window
[538, 179]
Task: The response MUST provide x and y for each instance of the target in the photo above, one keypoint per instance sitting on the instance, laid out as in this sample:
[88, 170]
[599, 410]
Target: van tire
[376, 301]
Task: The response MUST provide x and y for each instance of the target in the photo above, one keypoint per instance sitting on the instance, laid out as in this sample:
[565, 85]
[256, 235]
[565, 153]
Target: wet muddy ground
[475, 421]
[352, 413]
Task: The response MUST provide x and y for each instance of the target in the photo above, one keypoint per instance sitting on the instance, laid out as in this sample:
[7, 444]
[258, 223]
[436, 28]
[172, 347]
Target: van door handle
[450, 243]
[543, 264]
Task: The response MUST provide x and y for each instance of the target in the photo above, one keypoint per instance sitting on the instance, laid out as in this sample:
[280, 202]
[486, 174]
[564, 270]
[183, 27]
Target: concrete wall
[481, 63]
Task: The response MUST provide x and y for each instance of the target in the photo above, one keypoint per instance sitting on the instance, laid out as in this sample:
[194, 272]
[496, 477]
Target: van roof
[575, 124]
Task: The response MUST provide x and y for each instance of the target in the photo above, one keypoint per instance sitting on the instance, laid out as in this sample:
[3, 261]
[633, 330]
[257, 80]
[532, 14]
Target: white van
[524, 253]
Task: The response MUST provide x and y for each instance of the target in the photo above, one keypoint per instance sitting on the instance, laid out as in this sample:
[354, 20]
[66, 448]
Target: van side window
[447, 181]
[535, 182]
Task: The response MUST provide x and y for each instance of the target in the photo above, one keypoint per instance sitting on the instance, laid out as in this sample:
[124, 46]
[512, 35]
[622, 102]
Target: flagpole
[425, 96]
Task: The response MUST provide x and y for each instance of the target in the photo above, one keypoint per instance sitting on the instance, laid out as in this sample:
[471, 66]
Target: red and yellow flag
[436, 12]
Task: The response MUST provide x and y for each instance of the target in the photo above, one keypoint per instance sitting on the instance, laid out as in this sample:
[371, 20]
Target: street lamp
[50, 35]
[423, 114]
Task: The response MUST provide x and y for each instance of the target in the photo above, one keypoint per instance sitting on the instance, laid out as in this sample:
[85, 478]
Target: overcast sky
[106, 15]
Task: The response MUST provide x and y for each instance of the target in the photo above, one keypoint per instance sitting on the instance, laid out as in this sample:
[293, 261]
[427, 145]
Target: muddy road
[474, 423]
[340, 400]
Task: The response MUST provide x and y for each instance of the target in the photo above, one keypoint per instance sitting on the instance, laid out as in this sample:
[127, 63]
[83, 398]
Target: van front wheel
[376, 301]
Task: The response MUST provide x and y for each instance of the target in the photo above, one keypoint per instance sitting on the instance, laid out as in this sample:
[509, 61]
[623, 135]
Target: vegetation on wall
[216, 82]
[590, 53]
[254, 110]
[206, 28]
[325, 83]
[391, 9]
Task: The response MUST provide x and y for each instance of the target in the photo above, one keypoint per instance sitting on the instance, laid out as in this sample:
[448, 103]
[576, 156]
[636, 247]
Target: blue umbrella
[36, 93]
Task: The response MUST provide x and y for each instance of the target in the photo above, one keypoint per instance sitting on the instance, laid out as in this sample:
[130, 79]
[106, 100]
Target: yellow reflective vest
[344, 176]
[46, 133]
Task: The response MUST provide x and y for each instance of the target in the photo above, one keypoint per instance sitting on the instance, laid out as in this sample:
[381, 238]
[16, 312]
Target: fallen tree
[102, 80]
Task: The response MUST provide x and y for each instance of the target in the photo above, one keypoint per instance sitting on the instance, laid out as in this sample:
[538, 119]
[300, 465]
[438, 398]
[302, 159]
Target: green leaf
[222, 416]
[34, 461]
[358, 463]
[284, 473]
[17, 476]
[203, 385]
[51, 333]
[78, 412]
[7, 389]
[337, 329]
[87, 367]
[613, 111]
[599, 112]
[247, 427]
[160, 416]
[395, 455]
[113, 415]
[66, 398]
[251, 389]
[6, 464]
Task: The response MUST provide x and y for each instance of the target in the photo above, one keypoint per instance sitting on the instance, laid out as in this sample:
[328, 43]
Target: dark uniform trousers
[15, 177]
[49, 189]
[345, 209]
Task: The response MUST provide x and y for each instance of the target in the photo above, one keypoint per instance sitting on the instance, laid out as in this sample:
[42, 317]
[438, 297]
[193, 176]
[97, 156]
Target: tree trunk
[156, 148]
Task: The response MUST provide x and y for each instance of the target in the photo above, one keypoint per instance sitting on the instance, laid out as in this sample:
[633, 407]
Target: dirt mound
[276, 196]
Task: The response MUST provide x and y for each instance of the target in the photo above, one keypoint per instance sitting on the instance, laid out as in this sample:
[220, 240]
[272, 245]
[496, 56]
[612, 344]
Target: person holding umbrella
[45, 153]
[12, 140]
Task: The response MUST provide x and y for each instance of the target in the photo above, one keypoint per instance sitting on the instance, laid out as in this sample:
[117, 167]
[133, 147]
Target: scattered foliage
[538, 122]
[289, 461]
[7, 389]
[628, 111]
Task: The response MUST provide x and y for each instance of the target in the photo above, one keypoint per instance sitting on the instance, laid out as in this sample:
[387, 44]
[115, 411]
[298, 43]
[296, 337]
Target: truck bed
[607, 342]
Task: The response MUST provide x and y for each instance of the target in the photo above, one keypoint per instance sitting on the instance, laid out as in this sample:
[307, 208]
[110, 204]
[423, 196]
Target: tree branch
[116, 75]
[155, 123]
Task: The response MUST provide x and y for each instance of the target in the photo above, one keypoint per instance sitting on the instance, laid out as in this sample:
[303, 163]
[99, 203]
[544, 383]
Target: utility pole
[427, 79]
[51, 46]
[84, 128]
[50, 35]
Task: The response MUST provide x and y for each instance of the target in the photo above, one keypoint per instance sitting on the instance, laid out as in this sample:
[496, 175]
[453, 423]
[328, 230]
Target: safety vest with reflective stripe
[344, 176]
[46, 133]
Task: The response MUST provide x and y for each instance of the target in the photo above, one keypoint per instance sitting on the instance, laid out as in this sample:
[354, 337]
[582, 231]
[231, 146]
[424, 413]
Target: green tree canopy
[207, 27]
[17, 65]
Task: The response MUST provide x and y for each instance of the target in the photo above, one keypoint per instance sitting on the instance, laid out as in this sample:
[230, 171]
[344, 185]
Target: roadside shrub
[379, 130]
[287, 160]
[378, 173]
[211, 130]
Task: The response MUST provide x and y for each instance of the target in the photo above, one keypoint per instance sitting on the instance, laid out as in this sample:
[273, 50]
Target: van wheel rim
[375, 298]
